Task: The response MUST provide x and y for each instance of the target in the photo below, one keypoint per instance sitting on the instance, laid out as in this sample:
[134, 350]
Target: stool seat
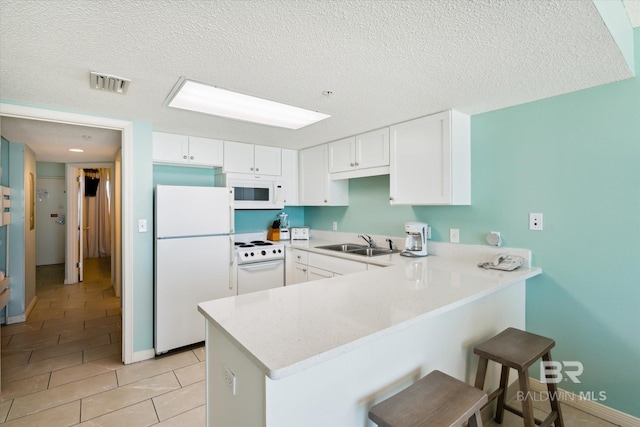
[516, 349]
[436, 400]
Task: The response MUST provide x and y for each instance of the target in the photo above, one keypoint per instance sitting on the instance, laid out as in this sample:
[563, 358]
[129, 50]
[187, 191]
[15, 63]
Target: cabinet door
[421, 161]
[314, 180]
[314, 273]
[372, 149]
[170, 148]
[238, 157]
[267, 160]
[290, 178]
[342, 155]
[205, 151]
[299, 273]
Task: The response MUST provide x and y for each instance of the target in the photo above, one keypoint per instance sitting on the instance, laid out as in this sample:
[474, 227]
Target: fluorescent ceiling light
[208, 99]
[76, 150]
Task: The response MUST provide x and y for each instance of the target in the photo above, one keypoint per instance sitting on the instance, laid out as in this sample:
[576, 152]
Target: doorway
[126, 127]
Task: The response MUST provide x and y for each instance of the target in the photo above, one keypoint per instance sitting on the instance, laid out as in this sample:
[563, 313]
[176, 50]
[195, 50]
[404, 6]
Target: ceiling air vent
[109, 83]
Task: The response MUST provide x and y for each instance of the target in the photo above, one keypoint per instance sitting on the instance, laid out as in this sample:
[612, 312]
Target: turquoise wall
[50, 169]
[16, 230]
[246, 221]
[576, 159]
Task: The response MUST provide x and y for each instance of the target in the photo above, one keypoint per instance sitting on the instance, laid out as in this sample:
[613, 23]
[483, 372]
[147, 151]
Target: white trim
[126, 127]
[589, 406]
[139, 356]
[16, 319]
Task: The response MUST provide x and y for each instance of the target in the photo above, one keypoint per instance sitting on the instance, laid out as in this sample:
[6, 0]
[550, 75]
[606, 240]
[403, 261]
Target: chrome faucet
[368, 239]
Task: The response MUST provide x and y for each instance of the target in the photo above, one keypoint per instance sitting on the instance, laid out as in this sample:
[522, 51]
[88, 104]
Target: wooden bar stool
[513, 348]
[436, 400]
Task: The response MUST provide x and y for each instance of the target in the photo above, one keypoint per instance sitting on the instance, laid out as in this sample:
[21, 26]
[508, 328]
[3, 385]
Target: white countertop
[289, 329]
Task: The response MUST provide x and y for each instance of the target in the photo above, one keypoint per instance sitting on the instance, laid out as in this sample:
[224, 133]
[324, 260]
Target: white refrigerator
[193, 260]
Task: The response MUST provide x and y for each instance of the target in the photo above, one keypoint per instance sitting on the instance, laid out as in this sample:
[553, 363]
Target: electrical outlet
[142, 226]
[230, 379]
[535, 221]
[454, 235]
[335, 226]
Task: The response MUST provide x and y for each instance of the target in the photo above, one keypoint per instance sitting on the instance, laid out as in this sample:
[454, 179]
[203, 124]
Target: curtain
[97, 216]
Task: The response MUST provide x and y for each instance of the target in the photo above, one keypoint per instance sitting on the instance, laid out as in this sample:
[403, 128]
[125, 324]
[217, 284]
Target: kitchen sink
[356, 249]
[373, 251]
[343, 247]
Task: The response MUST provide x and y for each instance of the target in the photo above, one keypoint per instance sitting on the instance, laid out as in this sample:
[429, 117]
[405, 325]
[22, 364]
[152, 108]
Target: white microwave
[253, 191]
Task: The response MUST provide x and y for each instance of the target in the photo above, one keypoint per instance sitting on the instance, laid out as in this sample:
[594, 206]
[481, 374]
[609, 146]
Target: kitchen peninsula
[323, 352]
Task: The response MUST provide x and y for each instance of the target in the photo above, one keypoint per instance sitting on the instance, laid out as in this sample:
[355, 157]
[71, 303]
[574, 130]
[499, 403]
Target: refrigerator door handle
[231, 255]
[232, 196]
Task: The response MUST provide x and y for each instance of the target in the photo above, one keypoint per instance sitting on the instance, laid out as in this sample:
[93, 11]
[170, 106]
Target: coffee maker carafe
[416, 241]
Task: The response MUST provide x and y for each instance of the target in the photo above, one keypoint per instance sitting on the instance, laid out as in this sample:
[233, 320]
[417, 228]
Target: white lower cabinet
[318, 273]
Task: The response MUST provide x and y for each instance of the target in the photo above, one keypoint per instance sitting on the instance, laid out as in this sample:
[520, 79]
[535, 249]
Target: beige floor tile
[69, 336]
[63, 415]
[57, 396]
[181, 400]
[15, 358]
[4, 410]
[76, 373]
[122, 397]
[48, 314]
[31, 340]
[24, 387]
[84, 313]
[102, 321]
[149, 368]
[114, 311]
[103, 303]
[5, 340]
[200, 354]
[191, 374]
[36, 368]
[19, 328]
[72, 347]
[63, 324]
[116, 337]
[112, 362]
[193, 418]
[101, 352]
[139, 415]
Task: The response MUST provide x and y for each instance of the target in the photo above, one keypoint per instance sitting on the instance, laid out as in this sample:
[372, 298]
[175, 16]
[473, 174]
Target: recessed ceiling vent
[109, 83]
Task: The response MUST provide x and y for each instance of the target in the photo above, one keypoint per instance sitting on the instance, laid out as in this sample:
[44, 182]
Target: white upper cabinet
[248, 158]
[316, 189]
[431, 161]
[186, 150]
[290, 187]
[362, 155]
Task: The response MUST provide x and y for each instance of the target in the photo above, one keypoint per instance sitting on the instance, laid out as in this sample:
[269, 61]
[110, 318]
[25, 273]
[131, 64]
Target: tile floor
[63, 366]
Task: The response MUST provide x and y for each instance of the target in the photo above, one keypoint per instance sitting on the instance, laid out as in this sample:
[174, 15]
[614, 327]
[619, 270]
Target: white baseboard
[589, 406]
[16, 319]
[139, 356]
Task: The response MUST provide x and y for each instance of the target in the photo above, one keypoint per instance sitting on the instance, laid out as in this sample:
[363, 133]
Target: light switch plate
[142, 226]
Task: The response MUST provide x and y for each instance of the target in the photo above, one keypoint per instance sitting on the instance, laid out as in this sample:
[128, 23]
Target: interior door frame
[74, 239]
[126, 128]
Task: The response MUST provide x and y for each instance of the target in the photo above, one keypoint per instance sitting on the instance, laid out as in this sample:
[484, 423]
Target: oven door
[260, 276]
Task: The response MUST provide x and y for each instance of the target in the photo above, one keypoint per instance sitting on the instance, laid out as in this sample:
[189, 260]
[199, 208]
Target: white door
[51, 213]
[81, 229]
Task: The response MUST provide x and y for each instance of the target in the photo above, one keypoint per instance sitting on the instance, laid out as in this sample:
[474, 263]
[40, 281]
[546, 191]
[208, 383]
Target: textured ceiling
[385, 61]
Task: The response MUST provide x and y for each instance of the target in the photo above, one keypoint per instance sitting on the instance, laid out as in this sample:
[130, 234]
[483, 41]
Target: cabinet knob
[257, 169]
[299, 257]
[304, 270]
[352, 164]
[184, 157]
[325, 200]
[391, 198]
[191, 157]
[357, 164]
[250, 169]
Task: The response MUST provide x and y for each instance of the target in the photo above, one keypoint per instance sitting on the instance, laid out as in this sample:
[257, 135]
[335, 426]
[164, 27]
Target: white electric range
[260, 264]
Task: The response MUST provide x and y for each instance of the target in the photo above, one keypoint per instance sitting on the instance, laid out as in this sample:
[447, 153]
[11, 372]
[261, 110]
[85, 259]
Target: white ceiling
[385, 61]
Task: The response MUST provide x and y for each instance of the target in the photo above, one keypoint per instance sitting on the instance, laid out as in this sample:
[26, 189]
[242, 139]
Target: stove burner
[261, 243]
[245, 245]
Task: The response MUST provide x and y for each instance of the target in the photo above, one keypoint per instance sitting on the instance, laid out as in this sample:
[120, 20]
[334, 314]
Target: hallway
[64, 365]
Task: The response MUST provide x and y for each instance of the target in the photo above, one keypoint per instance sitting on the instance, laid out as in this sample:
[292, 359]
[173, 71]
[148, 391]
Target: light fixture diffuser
[204, 98]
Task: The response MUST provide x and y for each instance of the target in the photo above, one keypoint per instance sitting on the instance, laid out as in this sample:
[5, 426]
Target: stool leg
[553, 396]
[482, 372]
[504, 381]
[527, 405]
[476, 419]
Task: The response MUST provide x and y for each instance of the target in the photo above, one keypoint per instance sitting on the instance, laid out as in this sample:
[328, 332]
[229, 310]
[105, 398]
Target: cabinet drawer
[334, 264]
[299, 256]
